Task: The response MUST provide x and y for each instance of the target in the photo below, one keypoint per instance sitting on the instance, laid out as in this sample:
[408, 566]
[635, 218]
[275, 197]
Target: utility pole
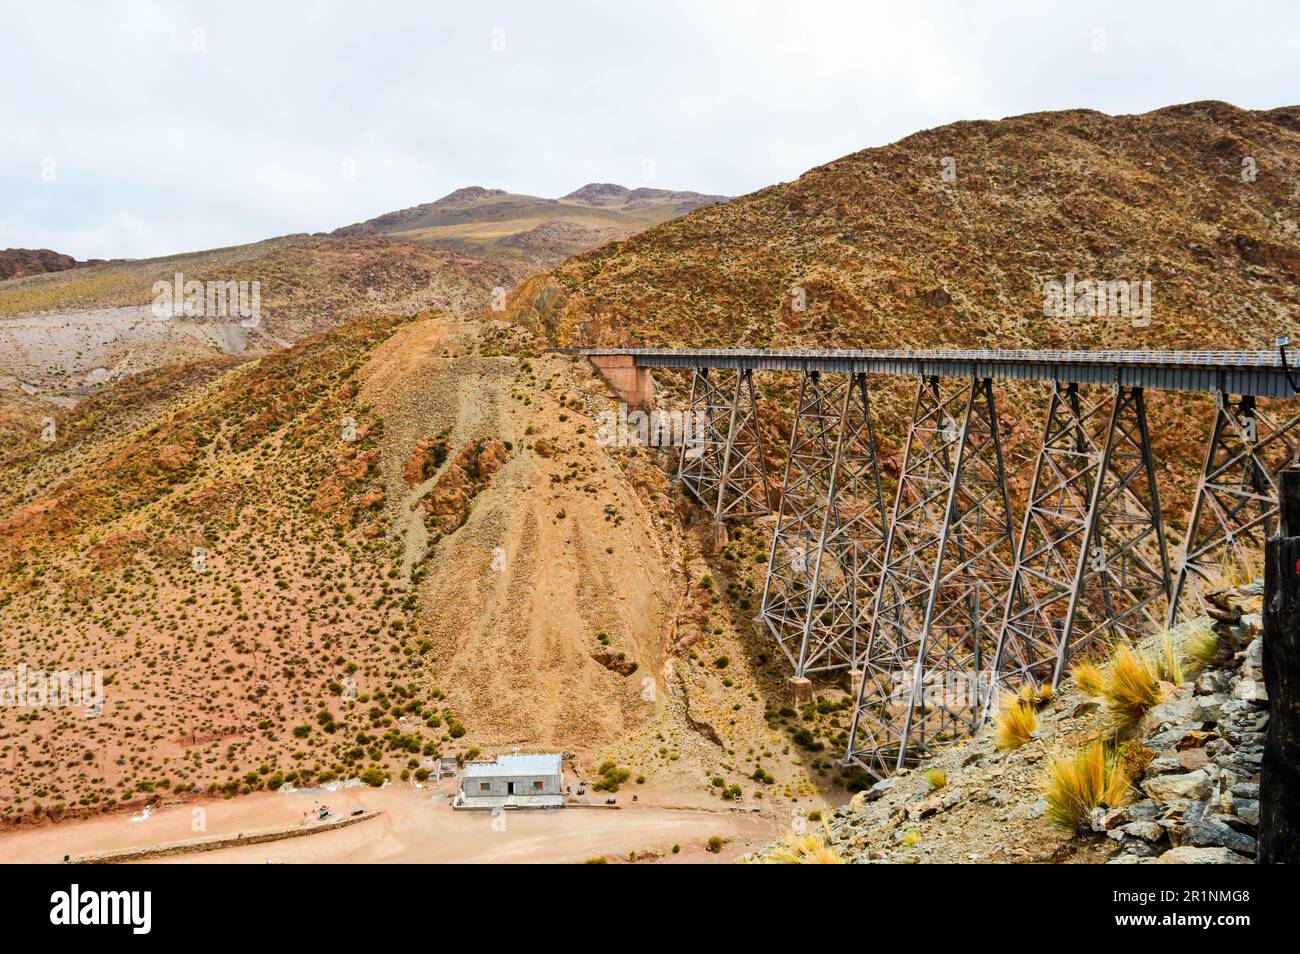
[1279, 789]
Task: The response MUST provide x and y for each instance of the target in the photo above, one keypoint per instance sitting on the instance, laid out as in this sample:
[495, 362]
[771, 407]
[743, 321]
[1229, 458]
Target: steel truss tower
[827, 548]
[1091, 561]
[944, 584]
[1236, 497]
[722, 462]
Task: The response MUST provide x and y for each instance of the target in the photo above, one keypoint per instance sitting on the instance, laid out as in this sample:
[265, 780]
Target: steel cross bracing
[944, 584]
[828, 544]
[1236, 498]
[1091, 560]
[722, 462]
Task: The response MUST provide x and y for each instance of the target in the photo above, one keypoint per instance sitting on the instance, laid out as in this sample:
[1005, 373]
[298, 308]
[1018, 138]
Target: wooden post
[1279, 788]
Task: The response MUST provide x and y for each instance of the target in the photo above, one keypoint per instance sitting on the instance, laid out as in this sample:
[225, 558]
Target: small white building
[513, 781]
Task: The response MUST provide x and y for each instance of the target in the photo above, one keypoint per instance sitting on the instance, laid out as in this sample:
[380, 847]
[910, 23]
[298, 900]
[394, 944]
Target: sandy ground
[414, 828]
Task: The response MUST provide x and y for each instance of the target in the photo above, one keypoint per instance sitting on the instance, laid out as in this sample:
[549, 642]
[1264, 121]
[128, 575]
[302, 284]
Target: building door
[510, 788]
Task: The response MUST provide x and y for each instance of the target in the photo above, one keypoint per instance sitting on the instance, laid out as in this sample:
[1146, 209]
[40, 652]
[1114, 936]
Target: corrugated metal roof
[514, 765]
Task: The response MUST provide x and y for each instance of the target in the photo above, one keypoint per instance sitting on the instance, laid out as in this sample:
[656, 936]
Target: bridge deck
[1257, 373]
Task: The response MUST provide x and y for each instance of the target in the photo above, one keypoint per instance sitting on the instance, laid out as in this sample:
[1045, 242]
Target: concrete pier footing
[800, 690]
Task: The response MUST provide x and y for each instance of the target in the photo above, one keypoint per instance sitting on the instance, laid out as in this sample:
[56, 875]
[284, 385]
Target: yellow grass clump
[1131, 685]
[808, 848]
[1199, 646]
[1014, 722]
[1088, 677]
[1078, 781]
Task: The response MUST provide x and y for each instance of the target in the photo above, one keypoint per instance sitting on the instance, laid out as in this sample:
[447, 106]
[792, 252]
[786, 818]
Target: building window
[485, 786]
[537, 786]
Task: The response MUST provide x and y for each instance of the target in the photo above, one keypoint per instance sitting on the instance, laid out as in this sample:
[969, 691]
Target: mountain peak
[468, 194]
[599, 193]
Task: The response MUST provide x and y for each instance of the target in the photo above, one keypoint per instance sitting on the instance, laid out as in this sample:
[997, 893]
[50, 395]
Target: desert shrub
[1014, 722]
[809, 848]
[611, 777]
[1091, 776]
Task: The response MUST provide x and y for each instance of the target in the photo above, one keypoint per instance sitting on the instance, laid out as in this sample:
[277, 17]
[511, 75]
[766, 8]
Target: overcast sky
[141, 128]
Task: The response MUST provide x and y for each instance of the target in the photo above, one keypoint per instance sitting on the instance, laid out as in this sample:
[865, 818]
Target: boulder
[1250, 690]
[1203, 830]
[1246, 809]
[1171, 713]
[1146, 830]
[881, 788]
[1193, 786]
[1189, 855]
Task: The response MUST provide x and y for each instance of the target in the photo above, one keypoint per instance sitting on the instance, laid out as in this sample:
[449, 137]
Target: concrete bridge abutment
[634, 385]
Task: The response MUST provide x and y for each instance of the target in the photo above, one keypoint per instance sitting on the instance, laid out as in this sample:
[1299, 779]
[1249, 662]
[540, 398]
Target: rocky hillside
[947, 237]
[394, 539]
[17, 262]
[526, 230]
[1192, 796]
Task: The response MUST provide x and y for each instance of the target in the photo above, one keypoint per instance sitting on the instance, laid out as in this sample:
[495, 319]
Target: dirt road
[414, 828]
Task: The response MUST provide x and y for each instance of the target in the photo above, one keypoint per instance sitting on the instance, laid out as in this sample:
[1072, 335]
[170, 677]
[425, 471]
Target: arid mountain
[948, 238]
[501, 226]
[17, 262]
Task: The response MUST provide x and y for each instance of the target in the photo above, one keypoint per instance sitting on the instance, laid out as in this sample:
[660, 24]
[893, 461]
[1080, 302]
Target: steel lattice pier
[828, 543]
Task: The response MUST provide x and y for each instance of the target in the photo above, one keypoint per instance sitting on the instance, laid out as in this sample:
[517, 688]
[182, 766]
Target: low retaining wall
[214, 844]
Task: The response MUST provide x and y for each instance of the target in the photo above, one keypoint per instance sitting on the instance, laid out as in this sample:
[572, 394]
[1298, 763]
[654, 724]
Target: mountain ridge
[537, 232]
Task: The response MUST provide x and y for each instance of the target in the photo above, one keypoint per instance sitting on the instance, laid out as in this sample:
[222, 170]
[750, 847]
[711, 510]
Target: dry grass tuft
[1131, 685]
[1088, 777]
[1014, 722]
[809, 848]
[1197, 644]
[1088, 677]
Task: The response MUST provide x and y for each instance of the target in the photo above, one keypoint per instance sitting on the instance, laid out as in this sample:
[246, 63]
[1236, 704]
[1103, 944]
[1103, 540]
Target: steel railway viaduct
[935, 606]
